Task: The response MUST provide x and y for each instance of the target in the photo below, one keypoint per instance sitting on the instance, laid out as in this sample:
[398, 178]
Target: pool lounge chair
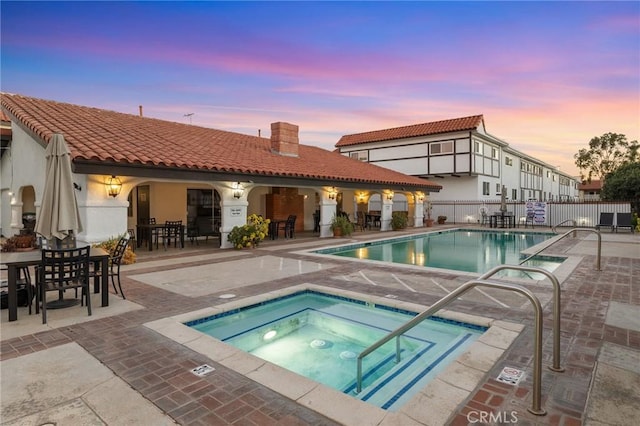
[623, 220]
[606, 220]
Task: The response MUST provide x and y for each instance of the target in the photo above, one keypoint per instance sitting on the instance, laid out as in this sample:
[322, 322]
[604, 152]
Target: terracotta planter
[337, 233]
[429, 222]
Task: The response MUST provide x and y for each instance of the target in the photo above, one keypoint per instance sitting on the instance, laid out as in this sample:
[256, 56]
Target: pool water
[460, 250]
[319, 336]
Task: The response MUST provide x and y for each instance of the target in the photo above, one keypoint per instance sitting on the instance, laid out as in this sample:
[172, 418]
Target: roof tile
[97, 135]
[415, 130]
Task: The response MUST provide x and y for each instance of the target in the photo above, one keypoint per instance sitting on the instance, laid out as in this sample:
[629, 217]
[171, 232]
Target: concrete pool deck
[131, 374]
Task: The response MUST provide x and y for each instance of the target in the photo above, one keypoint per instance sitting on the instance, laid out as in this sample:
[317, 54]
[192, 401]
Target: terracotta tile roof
[415, 130]
[590, 186]
[102, 136]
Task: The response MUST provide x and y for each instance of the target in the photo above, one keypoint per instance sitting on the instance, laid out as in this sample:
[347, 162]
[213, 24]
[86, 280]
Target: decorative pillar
[233, 212]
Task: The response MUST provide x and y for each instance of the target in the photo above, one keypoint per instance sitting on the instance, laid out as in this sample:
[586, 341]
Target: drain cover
[227, 296]
[202, 370]
[510, 376]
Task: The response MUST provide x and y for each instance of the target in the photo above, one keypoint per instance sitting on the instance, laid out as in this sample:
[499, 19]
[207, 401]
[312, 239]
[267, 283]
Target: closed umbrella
[503, 199]
[59, 217]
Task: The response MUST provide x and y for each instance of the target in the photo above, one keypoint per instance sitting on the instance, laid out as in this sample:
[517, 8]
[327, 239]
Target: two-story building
[459, 154]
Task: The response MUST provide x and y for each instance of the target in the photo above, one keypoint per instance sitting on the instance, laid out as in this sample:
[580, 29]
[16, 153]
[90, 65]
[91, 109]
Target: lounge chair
[606, 220]
[623, 220]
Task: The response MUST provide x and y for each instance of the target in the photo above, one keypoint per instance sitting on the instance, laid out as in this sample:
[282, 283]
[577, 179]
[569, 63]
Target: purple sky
[548, 76]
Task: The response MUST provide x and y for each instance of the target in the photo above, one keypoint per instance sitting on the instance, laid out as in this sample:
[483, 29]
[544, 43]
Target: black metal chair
[606, 220]
[24, 286]
[623, 220]
[132, 239]
[62, 269]
[171, 231]
[289, 227]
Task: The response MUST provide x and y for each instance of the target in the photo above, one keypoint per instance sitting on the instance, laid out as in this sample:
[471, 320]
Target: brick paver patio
[159, 368]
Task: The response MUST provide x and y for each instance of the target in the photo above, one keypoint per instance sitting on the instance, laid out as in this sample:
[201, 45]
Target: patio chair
[289, 226]
[361, 221]
[606, 220]
[115, 260]
[60, 270]
[132, 239]
[623, 220]
[530, 219]
[24, 286]
[171, 231]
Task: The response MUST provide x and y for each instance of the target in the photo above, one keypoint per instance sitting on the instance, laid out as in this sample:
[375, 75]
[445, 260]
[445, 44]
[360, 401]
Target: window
[494, 153]
[508, 161]
[498, 189]
[548, 174]
[476, 147]
[359, 155]
[514, 194]
[485, 188]
[441, 147]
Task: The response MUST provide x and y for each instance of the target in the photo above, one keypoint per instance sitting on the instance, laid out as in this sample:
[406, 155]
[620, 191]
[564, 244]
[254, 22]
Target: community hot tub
[303, 343]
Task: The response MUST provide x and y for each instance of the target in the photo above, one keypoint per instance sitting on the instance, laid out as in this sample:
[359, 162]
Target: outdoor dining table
[145, 231]
[274, 227]
[507, 220]
[15, 260]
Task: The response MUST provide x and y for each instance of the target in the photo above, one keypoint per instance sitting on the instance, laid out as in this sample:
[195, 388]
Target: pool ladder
[482, 281]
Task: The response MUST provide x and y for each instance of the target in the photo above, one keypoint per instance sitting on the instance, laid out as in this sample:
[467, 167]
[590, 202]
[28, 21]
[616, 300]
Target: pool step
[403, 380]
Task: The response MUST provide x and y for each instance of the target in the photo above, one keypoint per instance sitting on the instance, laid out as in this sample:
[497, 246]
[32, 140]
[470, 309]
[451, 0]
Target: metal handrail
[573, 222]
[537, 361]
[564, 235]
[556, 304]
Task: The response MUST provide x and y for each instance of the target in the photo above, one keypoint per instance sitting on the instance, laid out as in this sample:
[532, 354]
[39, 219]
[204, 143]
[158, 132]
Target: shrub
[109, 245]
[399, 220]
[251, 234]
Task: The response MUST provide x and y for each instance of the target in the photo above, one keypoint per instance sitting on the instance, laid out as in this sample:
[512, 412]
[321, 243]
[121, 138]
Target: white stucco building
[464, 158]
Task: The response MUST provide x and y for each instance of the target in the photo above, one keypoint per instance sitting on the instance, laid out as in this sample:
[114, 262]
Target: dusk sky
[547, 76]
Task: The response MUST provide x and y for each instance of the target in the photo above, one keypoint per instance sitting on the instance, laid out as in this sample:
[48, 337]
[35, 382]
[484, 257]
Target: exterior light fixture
[114, 186]
[361, 197]
[238, 190]
[420, 197]
[390, 195]
[333, 192]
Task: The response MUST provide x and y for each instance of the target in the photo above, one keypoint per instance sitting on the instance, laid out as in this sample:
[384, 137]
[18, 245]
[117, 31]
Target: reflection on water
[470, 251]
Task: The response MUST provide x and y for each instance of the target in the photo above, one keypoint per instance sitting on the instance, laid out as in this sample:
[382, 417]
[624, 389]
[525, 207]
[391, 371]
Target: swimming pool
[468, 250]
[319, 336]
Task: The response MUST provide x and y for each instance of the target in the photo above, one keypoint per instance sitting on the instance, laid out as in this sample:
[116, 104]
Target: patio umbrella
[59, 216]
[503, 199]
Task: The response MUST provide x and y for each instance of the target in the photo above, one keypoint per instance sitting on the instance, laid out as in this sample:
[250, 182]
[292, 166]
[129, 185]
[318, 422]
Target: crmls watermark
[500, 417]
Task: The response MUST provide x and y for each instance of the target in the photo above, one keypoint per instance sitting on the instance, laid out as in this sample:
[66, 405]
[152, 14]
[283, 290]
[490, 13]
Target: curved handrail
[556, 304]
[553, 228]
[563, 236]
[537, 361]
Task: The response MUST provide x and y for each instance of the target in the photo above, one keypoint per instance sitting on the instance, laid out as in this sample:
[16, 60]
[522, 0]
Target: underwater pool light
[269, 335]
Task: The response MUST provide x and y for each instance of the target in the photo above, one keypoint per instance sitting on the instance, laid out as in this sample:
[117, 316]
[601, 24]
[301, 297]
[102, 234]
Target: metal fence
[586, 213]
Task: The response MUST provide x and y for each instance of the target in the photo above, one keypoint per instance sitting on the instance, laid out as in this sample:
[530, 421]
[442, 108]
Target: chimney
[140, 108]
[284, 139]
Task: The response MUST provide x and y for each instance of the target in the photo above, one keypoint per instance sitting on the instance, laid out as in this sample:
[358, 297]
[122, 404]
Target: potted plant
[341, 226]
[24, 242]
[428, 221]
[399, 220]
[250, 234]
[441, 219]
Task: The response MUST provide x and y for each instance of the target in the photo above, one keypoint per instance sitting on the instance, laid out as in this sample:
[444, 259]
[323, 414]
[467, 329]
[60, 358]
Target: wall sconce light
[361, 197]
[76, 186]
[114, 186]
[390, 195]
[333, 192]
[238, 190]
[420, 197]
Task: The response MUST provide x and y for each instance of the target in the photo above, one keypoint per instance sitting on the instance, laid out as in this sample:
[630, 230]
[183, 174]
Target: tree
[605, 154]
[623, 184]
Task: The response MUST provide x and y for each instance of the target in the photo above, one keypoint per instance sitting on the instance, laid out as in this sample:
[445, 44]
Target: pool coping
[562, 272]
[433, 405]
